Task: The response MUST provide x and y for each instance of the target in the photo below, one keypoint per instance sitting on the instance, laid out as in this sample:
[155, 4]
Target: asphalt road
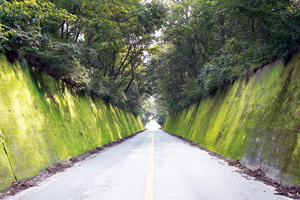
[159, 168]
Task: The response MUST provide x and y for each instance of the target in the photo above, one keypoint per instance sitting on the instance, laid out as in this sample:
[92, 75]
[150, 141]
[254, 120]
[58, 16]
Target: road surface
[150, 166]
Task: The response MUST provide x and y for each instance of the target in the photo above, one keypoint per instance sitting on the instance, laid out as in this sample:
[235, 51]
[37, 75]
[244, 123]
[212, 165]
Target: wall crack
[6, 153]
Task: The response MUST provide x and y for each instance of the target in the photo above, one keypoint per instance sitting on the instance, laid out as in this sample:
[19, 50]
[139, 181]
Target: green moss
[257, 121]
[44, 121]
[6, 173]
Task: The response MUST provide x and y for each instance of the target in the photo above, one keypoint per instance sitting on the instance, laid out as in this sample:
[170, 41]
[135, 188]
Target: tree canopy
[208, 45]
[178, 51]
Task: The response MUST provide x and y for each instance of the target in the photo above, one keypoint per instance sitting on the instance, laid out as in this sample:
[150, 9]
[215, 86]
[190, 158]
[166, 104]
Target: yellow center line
[149, 189]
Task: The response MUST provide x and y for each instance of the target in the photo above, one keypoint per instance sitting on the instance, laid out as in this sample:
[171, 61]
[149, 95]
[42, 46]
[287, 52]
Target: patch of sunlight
[244, 137]
[109, 130]
[24, 111]
[9, 77]
[47, 98]
[99, 137]
[69, 98]
[59, 102]
[112, 109]
[100, 104]
[95, 109]
[39, 84]
[118, 130]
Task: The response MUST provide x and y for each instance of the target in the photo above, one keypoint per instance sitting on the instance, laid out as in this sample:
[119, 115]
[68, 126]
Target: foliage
[21, 23]
[208, 45]
[96, 46]
[106, 47]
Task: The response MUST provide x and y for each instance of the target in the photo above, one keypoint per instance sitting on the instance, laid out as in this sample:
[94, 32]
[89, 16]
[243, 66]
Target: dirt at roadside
[18, 186]
[292, 192]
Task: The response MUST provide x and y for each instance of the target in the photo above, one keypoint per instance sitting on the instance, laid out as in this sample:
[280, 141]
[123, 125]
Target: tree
[96, 46]
[208, 45]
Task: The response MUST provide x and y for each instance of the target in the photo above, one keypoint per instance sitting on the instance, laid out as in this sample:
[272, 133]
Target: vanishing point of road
[151, 165]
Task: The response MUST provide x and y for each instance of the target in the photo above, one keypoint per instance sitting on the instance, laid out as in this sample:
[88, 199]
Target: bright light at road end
[152, 125]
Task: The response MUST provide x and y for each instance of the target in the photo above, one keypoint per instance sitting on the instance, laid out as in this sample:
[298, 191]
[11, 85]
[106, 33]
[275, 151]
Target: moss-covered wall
[257, 122]
[43, 121]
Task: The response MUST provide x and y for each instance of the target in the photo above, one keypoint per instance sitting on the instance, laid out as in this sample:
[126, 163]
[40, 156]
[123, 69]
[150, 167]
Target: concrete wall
[43, 121]
[257, 122]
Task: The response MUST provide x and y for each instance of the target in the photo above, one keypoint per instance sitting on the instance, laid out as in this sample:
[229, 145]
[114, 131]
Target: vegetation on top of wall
[208, 45]
[103, 47]
[96, 46]
[44, 120]
[256, 121]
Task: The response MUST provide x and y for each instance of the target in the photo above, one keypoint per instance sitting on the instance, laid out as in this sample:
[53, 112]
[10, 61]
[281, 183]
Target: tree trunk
[131, 80]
